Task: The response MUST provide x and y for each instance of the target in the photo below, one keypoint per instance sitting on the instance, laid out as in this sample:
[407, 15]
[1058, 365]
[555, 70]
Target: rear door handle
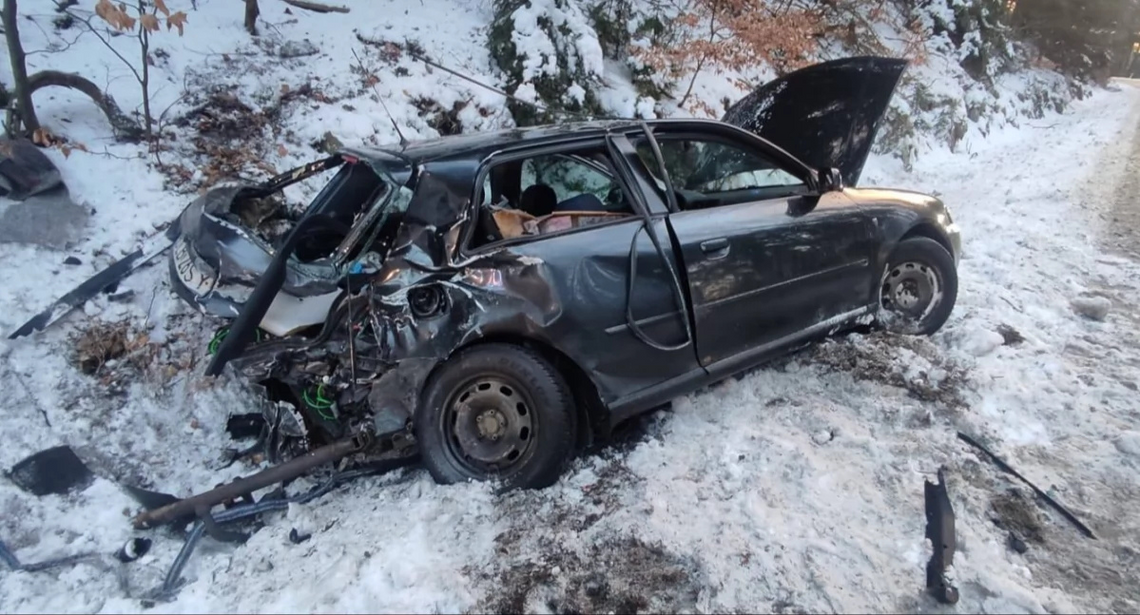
[715, 248]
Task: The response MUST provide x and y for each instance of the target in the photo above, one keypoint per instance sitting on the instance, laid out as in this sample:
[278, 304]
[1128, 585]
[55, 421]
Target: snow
[796, 486]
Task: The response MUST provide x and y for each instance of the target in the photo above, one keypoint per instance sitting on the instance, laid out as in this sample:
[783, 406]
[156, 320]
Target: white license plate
[198, 281]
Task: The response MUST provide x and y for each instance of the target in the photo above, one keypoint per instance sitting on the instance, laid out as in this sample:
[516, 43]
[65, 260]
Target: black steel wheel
[919, 287]
[496, 411]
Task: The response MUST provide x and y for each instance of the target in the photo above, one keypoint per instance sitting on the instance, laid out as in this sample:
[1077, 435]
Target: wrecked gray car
[499, 299]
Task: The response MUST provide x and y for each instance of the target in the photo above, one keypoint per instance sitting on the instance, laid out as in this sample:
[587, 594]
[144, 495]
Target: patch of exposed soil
[637, 578]
[1014, 512]
[907, 362]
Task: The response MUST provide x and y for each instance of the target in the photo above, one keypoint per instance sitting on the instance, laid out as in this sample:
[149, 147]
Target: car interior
[340, 204]
[548, 193]
[707, 171]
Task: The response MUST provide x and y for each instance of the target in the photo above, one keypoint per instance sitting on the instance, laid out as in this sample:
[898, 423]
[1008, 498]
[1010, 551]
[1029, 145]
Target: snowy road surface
[795, 488]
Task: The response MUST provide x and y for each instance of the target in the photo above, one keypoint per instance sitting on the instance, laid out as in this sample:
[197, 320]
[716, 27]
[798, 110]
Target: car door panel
[585, 276]
[762, 272]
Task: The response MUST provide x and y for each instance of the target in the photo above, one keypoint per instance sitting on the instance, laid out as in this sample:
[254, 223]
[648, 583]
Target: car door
[767, 260]
[573, 287]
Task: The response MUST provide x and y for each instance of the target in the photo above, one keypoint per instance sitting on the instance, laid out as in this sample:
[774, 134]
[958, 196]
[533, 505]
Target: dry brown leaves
[735, 35]
[105, 345]
[118, 17]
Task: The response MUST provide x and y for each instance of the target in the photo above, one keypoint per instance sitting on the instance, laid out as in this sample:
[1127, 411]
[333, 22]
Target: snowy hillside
[795, 488]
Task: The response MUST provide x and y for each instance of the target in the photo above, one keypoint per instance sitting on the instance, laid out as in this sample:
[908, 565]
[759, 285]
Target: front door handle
[715, 248]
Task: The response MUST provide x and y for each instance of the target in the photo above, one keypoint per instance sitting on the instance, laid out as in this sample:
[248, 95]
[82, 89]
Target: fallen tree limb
[124, 127]
[316, 6]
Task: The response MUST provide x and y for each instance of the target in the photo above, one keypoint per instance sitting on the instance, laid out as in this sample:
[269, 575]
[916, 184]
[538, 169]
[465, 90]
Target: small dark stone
[146, 604]
[122, 297]
[1017, 544]
[71, 260]
[1009, 335]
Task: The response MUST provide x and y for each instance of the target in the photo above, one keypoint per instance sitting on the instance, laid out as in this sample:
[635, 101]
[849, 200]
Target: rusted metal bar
[286, 471]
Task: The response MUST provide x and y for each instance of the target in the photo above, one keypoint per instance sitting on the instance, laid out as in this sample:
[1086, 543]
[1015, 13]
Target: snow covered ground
[795, 488]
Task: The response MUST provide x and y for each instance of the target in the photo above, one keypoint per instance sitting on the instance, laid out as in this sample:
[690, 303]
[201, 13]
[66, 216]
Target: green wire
[220, 335]
[321, 404]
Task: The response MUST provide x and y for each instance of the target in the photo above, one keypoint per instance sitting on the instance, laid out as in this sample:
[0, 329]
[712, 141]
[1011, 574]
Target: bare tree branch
[316, 6]
[123, 125]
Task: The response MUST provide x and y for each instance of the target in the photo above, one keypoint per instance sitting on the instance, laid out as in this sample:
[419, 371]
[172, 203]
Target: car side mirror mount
[832, 180]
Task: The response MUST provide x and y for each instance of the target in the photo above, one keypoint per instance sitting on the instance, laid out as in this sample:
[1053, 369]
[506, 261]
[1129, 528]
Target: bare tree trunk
[251, 13]
[144, 46]
[124, 126]
[25, 112]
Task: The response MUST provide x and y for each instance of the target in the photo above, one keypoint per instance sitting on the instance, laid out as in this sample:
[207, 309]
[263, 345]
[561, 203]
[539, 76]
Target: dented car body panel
[663, 285]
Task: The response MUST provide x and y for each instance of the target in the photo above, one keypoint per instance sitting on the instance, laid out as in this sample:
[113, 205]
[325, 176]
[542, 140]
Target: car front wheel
[496, 411]
[918, 288]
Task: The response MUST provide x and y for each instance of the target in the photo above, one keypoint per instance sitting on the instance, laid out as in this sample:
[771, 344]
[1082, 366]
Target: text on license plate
[196, 280]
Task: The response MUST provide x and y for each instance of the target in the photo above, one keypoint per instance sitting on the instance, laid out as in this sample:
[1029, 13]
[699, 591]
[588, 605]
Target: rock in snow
[982, 342]
[1095, 308]
[297, 49]
[1129, 443]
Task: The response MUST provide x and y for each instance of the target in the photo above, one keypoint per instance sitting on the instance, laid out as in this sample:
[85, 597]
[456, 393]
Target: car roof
[475, 142]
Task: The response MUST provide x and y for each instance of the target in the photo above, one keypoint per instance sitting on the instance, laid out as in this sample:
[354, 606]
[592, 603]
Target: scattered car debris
[269, 503]
[199, 505]
[129, 552]
[71, 260]
[25, 170]
[133, 549]
[55, 470]
[148, 499]
[14, 563]
[1044, 496]
[940, 531]
[121, 297]
[297, 538]
[107, 278]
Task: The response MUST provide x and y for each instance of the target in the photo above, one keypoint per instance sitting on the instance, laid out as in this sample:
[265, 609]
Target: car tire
[918, 287]
[488, 401]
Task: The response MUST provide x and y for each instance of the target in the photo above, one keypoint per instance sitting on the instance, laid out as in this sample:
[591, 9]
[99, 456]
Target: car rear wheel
[497, 411]
[918, 288]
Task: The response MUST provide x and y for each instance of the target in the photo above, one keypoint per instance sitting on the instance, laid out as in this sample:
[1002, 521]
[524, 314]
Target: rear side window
[548, 193]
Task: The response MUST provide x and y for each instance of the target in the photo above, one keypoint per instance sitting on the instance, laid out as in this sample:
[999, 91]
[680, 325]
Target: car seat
[581, 202]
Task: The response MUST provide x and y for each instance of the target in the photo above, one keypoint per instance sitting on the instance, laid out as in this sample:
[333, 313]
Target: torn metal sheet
[25, 170]
[55, 470]
[943, 540]
[107, 278]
